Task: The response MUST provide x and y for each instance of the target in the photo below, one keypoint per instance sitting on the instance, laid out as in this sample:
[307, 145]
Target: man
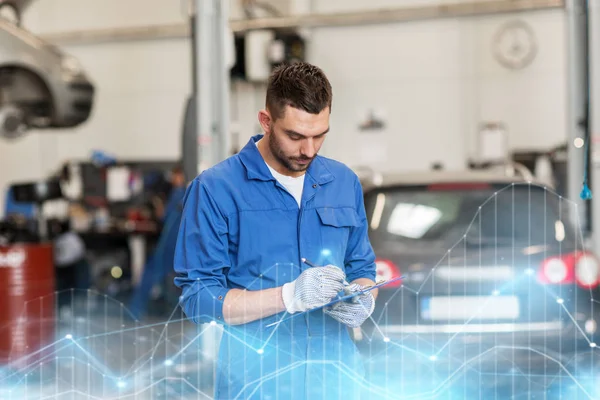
[160, 263]
[176, 194]
[248, 222]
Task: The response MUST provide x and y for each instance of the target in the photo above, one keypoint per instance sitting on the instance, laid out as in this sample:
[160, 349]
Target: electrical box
[258, 43]
[259, 51]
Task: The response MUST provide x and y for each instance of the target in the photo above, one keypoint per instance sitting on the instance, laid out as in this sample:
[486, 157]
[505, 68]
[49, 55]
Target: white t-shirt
[294, 185]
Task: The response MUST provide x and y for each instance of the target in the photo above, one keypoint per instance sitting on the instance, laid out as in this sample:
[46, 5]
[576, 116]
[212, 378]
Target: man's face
[177, 179]
[295, 138]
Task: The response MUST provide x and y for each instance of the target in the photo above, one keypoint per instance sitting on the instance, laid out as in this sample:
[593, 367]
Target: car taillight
[587, 271]
[556, 270]
[387, 270]
[580, 267]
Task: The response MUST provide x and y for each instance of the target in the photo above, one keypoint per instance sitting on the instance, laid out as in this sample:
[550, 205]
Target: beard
[291, 163]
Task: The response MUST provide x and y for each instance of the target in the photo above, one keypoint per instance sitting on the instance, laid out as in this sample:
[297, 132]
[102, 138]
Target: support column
[211, 81]
[212, 105]
[222, 80]
[594, 68]
[205, 81]
[577, 106]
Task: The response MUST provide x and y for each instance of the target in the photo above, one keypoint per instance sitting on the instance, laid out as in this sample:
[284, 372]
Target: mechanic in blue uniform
[160, 263]
[175, 199]
[247, 223]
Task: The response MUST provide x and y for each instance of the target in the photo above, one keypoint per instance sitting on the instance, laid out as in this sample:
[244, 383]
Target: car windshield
[518, 214]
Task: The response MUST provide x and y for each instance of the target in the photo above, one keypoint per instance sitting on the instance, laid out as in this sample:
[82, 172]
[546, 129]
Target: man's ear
[264, 118]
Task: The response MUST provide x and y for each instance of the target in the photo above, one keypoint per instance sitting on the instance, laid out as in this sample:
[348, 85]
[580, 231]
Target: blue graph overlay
[487, 320]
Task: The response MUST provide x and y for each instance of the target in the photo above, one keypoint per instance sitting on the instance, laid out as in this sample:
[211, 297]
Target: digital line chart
[101, 352]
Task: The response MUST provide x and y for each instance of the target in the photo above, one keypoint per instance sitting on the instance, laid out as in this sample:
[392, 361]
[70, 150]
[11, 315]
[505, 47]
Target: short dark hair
[300, 85]
[177, 169]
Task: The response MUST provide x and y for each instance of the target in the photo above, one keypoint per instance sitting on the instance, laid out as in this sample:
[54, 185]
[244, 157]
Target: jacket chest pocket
[336, 228]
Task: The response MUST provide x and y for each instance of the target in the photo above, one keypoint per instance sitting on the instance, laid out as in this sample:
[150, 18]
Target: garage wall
[432, 82]
[435, 82]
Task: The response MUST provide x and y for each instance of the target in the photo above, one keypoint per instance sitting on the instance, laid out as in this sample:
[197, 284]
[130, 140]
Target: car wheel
[24, 90]
[12, 122]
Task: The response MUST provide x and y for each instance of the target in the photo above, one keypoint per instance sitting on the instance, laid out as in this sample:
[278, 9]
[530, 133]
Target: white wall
[434, 82]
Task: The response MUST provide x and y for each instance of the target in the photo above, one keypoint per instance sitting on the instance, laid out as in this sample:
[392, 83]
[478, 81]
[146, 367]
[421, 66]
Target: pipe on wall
[368, 17]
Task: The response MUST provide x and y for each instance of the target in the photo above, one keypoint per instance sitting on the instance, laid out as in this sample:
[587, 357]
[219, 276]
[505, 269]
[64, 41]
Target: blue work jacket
[174, 201]
[242, 229]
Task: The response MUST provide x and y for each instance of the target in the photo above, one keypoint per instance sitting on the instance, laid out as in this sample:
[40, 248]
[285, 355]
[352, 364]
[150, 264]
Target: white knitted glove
[355, 311]
[313, 288]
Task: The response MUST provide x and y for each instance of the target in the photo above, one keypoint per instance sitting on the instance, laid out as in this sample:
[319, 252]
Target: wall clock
[515, 45]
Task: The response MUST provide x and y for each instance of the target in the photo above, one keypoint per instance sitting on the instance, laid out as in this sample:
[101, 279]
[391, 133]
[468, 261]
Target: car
[489, 261]
[40, 85]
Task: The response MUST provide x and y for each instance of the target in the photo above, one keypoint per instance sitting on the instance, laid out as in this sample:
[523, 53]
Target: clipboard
[337, 300]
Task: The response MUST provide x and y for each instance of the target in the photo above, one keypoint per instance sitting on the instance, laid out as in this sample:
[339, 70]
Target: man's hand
[355, 311]
[313, 288]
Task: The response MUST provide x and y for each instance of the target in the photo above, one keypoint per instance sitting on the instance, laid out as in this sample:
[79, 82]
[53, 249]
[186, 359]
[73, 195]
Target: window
[520, 214]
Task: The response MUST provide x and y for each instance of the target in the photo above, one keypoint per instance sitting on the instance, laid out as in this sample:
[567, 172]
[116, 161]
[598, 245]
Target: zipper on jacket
[300, 258]
[308, 341]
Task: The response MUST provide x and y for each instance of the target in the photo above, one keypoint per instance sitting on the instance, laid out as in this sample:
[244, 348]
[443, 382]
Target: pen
[310, 264]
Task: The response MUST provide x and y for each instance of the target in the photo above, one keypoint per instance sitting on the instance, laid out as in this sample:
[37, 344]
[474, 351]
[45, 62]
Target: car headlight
[70, 67]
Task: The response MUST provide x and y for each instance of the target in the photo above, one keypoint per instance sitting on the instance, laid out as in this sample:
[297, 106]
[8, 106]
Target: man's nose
[308, 148]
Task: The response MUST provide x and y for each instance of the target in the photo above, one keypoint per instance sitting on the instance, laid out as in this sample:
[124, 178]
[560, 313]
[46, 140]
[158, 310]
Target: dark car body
[490, 262]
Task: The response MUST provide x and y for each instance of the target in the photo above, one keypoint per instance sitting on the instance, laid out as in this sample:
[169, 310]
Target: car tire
[12, 122]
[37, 106]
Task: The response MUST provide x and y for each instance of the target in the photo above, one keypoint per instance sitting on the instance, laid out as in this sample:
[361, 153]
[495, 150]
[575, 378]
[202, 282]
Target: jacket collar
[256, 168]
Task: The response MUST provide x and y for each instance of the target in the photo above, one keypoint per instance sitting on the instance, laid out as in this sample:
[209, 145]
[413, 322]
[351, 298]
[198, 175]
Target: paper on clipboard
[343, 298]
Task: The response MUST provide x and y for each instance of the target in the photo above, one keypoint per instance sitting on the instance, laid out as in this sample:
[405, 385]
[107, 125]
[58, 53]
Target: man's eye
[295, 137]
